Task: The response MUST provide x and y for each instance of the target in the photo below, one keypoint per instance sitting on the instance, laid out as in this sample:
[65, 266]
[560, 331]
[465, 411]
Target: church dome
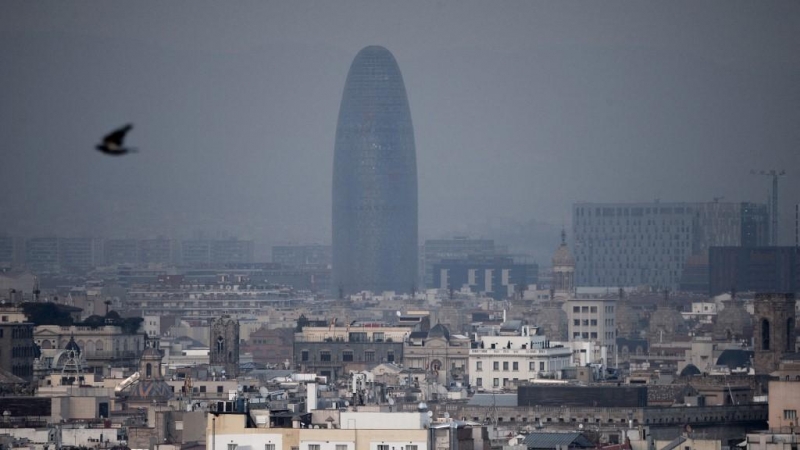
[666, 323]
[733, 323]
[562, 256]
[150, 390]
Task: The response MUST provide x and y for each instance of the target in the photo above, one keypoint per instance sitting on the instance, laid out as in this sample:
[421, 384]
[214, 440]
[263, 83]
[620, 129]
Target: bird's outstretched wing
[113, 142]
[116, 137]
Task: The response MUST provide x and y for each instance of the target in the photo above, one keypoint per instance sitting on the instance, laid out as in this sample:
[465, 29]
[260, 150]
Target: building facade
[775, 330]
[632, 244]
[17, 349]
[375, 244]
[335, 350]
[436, 250]
[755, 269]
[497, 277]
[438, 352]
[224, 343]
[594, 320]
[514, 355]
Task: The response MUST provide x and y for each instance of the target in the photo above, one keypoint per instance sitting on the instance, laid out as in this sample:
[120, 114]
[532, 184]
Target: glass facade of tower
[374, 180]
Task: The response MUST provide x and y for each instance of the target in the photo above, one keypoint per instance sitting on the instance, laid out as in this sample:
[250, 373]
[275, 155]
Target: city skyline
[520, 112]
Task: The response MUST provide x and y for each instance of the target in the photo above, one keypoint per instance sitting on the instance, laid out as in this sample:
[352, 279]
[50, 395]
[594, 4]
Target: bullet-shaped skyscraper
[374, 180]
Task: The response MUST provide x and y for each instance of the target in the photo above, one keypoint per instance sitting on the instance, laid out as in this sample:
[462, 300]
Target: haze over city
[520, 109]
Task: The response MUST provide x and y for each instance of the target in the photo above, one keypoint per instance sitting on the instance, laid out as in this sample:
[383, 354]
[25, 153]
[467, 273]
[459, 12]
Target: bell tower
[224, 342]
[775, 330]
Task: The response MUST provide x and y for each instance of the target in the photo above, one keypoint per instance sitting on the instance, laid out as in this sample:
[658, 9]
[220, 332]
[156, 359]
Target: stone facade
[775, 331]
[224, 345]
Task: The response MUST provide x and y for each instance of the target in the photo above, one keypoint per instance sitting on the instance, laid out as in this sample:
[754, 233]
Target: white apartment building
[594, 320]
[515, 353]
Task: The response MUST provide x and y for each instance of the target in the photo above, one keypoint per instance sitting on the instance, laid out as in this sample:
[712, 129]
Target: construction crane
[774, 202]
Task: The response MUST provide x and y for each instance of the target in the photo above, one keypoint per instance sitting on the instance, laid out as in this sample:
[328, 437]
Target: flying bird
[113, 142]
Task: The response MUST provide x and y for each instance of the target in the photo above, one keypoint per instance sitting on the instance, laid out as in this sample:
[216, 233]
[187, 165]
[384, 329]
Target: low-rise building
[515, 353]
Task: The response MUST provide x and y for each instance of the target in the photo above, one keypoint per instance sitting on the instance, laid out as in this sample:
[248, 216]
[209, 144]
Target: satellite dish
[263, 391]
[346, 403]
[446, 415]
[399, 313]
[391, 401]
[430, 414]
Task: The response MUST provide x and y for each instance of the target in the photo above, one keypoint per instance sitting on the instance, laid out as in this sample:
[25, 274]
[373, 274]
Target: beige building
[358, 431]
[593, 319]
[444, 355]
[784, 403]
[101, 347]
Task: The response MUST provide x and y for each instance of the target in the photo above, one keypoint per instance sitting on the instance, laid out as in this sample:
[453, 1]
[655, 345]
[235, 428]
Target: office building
[120, 252]
[75, 254]
[436, 250]
[496, 277]
[41, 254]
[375, 243]
[302, 255]
[632, 244]
[754, 269]
[203, 252]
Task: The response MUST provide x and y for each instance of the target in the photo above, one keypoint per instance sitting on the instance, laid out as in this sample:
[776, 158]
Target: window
[304, 355]
[390, 356]
[532, 366]
[411, 447]
[202, 388]
[479, 366]
[383, 447]
[515, 366]
[576, 322]
[219, 389]
[325, 355]
[232, 446]
[479, 382]
[593, 309]
[593, 335]
[496, 382]
[541, 365]
[341, 447]
[496, 365]
[269, 446]
[505, 366]
[789, 414]
[585, 309]
[576, 309]
[347, 355]
[377, 337]
[369, 355]
[313, 446]
[593, 322]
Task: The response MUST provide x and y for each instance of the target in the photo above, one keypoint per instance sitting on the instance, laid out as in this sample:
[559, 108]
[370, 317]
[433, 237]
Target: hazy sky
[519, 109]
